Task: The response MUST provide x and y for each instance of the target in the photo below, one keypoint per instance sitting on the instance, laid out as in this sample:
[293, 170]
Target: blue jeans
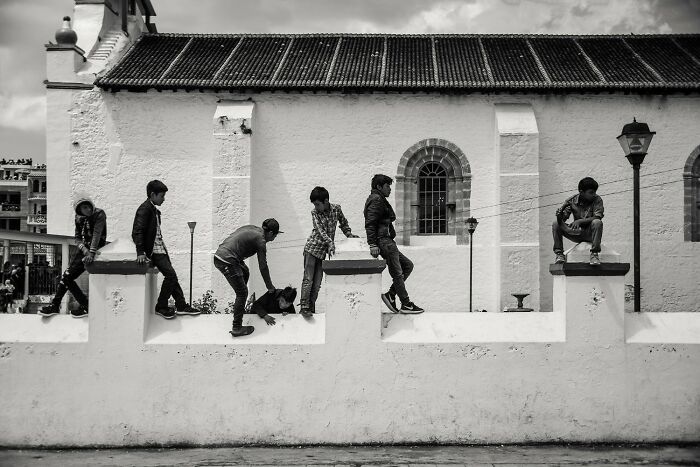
[399, 267]
[171, 286]
[237, 275]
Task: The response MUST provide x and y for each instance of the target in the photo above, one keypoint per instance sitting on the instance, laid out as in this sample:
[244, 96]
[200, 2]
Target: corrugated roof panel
[359, 61]
[308, 60]
[511, 61]
[563, 60]
[666, 59]
[616, 61]
[202, 59]
[460, 61]
[409, 62]
[148, 59]
[255, 62]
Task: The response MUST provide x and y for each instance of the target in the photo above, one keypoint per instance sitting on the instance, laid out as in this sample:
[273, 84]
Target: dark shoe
[166, 313]
[560, 258]
[49, 310]
[306, 312]
[411, 308]
[595, 261]
[188, 310]
[390, 302]
[239, 331]
[81, 312]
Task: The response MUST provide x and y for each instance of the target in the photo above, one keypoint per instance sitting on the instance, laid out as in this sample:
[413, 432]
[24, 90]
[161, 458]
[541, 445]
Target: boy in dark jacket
[279, 301]
[90, 235]
[379, 216]
[149, 243]
[325, 218]
[587, 209]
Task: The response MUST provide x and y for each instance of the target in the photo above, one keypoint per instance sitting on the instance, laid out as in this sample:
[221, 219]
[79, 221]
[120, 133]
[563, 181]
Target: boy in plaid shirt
[325, 218]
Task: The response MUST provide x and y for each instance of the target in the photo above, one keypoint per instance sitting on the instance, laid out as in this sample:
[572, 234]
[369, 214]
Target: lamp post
[635, 139]
[471, 227]
[191, 226]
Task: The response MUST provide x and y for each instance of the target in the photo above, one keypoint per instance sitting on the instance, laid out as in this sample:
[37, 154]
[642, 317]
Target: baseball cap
[272, 225]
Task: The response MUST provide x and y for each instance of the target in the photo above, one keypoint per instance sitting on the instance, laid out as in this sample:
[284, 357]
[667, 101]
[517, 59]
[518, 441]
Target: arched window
[433, 188]
[691, 181]
[432, 199]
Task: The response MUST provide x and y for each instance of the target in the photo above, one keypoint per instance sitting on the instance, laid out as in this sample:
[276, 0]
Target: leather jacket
[379, 216]
[145, 227]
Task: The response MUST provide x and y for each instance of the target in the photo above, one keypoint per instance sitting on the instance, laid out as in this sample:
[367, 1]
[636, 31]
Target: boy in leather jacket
[379, 218]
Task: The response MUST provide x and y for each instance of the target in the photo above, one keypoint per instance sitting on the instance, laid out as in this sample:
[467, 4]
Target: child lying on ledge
[279, 301]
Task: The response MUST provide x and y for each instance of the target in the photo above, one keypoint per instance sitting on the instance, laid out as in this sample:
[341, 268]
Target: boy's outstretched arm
[344, 225]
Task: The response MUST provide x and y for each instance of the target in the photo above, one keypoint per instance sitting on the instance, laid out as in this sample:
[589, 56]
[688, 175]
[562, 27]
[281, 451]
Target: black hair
[380, 179]
[587, 184]
[289, 293]
[319, 194]
[155, 186]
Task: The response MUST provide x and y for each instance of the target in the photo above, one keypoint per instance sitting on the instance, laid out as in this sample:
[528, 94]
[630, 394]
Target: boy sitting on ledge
[587, 209]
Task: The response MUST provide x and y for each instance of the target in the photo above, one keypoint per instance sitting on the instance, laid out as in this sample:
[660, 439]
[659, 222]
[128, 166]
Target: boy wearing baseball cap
[230, 258]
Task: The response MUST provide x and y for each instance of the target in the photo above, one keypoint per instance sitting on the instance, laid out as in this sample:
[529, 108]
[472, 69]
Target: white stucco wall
[299, 141]
[351, 376]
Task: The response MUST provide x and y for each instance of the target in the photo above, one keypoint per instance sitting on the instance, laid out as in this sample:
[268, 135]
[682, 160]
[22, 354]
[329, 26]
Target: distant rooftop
[447, 63]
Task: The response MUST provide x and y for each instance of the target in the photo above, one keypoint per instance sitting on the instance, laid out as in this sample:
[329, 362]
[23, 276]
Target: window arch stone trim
[459, 176]
[691, 197]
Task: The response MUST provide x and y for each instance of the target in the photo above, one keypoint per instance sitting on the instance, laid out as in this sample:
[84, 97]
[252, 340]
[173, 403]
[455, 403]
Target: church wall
[299, 141]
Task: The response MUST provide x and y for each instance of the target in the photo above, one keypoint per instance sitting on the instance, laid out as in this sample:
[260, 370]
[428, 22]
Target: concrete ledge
[456, 327]
[341, 267]
[35, 328]
[662, 328]
[585, 269]
[214, 330]
[126, 267]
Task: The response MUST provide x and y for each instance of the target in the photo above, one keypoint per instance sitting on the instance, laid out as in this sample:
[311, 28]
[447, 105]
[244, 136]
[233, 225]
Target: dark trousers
[171, 286]
[237, 275]
[311, 284]
[593, 233]
[399, 267]
[67, 282]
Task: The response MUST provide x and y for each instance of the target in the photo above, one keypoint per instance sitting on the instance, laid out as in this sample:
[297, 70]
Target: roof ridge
[424, 35]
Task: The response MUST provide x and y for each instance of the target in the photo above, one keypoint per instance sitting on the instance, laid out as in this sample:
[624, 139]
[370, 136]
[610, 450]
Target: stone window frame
[691, 192]
[459, 186]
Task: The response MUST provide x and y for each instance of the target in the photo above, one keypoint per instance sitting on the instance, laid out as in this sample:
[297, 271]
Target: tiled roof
[450, 63]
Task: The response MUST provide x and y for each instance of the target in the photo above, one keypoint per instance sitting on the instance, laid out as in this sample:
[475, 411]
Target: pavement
[496, 456]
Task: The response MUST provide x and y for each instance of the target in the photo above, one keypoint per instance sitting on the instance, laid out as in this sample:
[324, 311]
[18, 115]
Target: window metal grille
[432, 199]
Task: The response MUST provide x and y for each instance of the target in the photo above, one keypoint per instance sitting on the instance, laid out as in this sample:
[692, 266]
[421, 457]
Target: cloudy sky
[25, 25]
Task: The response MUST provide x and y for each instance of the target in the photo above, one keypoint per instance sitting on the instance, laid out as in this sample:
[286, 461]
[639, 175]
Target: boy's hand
[89, 258]
[577, 224]
[272, 289]
[331, 249]
[374, 251]
[269, 320]
[141, 259]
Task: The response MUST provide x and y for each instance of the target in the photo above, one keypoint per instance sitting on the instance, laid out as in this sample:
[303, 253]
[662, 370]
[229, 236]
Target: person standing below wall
[230, 258]
[379, 216]
[148, 239]
[587, 209]
[325, 217]
[90, 234]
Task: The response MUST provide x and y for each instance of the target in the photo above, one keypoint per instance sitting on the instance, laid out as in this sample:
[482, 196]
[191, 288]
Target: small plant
[229, 308]
[206, 304]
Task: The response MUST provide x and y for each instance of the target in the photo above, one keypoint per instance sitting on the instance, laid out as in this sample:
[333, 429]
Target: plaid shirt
[158, 245]
[323, 233]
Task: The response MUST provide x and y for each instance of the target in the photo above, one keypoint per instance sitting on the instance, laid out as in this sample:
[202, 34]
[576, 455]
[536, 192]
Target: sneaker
[49, 310]
[595, 261]
[306, 312]
[239, 331]
[81, 312]
[411, 308]
[188, 310]
[390, 302]
[560, 258]
[166, 313]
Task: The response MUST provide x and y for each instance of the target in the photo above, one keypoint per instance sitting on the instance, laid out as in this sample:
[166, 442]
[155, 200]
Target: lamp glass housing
[471, 224]
[191, 226]
[635, 138]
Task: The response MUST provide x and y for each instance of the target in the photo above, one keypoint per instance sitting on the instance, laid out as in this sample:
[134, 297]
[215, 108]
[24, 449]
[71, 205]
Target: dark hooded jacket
[379, 216]
[145, 228]
[90, 231]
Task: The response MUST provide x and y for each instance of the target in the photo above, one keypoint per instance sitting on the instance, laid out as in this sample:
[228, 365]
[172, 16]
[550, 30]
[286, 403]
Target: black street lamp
[471, 227]
[635, 139]
[191, 226]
